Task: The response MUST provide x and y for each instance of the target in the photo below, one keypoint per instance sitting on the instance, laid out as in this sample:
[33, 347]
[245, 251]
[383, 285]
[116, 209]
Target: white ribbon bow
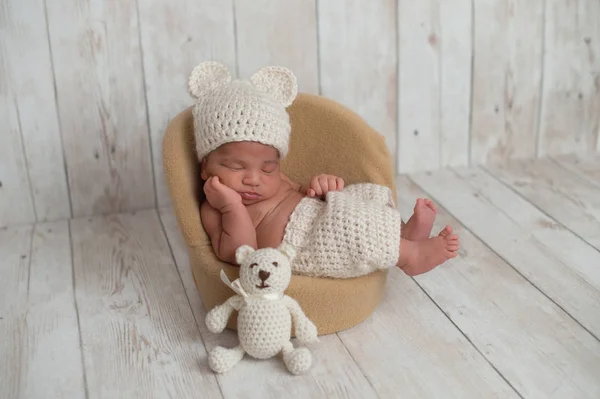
[237, 287]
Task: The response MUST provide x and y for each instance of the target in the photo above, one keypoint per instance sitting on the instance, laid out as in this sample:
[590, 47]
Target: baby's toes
[453, 247]
[447, 231]
[429, 203]
[419, 204]
[452, 237]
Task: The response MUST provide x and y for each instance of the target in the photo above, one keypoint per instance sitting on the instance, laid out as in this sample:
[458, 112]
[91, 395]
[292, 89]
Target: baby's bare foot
[418, 257]
[420, 224]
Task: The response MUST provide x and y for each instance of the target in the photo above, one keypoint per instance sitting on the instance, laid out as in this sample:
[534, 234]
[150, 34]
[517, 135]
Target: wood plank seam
[463, 333]
[82, 348]
[541, 94]
[511, 265]
[24, 151]
[470, 142]
[440, 77]
[164, 232]
[358, 364]
[30, 256]
[581, 176]
[235, 39]
[148, 132]
[485, 169]
[319, 86]
[396, 160]
[58, 119]
[504, 258]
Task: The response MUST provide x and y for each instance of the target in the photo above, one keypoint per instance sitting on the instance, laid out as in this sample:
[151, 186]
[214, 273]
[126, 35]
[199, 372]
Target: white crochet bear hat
[241, 110]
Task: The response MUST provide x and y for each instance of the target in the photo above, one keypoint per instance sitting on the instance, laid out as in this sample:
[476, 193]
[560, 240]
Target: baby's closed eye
[233, 166]
[270, 166]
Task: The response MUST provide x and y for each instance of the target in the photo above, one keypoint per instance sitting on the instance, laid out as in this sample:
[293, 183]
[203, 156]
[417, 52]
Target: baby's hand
[320, 185]
[219, 195]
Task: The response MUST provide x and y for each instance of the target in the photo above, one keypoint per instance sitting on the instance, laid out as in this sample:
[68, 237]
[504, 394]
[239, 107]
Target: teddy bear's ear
[242, 253]
[287, 250]
[279, 82]
[206, 75]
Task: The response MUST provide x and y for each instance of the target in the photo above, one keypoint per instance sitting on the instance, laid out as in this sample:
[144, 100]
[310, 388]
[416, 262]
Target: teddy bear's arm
[306, 331]
[216, 319]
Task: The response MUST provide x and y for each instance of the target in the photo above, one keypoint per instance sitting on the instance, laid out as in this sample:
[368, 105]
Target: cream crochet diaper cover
[351, 233]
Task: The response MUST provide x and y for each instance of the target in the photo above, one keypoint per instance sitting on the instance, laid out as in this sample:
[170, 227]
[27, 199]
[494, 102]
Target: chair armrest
[182, 174]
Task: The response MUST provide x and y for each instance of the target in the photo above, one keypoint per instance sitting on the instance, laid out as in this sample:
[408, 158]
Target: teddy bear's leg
[297, 360]
[222, 359]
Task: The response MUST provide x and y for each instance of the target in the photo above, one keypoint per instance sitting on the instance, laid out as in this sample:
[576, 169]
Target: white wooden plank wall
[434, 52]
[33, 184]
[571, 93]
[357, 55]
[100, 90]
[506, 79]
[87, 87]
[278, 32]
[174, 37]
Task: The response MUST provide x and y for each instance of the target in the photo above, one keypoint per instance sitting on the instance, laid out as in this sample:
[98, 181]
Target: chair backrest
[329, 138]
[326, 138]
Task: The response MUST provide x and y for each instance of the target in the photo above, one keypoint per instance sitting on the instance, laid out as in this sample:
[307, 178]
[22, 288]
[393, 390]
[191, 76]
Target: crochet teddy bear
[265, 313]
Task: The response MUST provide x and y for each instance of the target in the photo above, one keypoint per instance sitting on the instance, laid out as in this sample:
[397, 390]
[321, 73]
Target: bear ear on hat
[207, 75]
[279, 82]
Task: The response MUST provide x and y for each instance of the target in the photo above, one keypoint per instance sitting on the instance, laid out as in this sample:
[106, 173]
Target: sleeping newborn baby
[242, 133]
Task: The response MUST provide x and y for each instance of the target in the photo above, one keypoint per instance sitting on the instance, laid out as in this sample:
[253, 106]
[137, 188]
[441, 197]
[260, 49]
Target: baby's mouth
[262, 285]
[250, 196]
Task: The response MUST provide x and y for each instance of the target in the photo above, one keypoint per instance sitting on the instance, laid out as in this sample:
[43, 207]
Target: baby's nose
[263, 275]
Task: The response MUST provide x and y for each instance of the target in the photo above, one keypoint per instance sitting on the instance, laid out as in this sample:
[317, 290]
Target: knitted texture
[264, 327]
[216, 319]
[222, 359]
[297, 361]
[241, 110]
[353, 232]
[265, 316]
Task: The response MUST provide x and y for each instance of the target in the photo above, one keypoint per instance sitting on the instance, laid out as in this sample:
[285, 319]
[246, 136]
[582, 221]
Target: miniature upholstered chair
[326, 138]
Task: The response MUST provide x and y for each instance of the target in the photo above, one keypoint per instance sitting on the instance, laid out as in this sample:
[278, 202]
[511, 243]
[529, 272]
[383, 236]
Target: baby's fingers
[332, 183]
[317, 186]
[214, 181]
[208, 185]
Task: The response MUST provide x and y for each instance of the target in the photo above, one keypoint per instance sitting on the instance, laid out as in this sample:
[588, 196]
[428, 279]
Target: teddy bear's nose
[263, 275]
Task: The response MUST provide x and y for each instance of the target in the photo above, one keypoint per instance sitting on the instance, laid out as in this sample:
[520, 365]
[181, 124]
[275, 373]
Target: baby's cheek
[229, 179]
[273, 181]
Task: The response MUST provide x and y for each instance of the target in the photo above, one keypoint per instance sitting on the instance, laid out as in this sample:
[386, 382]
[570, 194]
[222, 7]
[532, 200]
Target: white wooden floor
[106, 307]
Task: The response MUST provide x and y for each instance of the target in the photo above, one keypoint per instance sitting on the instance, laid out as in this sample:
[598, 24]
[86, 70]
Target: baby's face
[249, 168]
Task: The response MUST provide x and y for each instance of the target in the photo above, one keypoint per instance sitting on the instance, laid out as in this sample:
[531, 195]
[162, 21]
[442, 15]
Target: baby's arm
[228, 229]
[226, 220]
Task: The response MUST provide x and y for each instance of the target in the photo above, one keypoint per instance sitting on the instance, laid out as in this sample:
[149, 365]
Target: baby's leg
[417, 257]
[420, 224]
